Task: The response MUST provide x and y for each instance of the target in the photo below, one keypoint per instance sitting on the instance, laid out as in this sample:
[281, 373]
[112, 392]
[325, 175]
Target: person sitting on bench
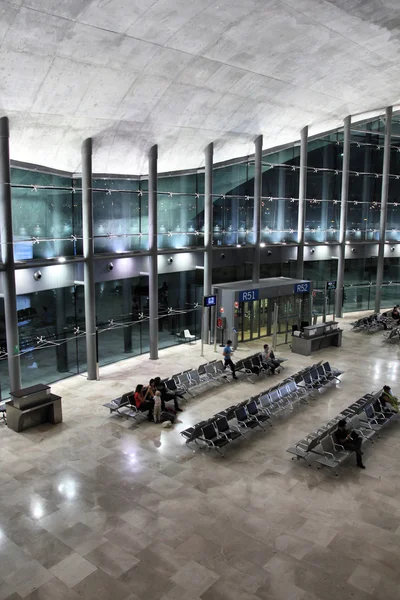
[350, 440]
[269, 360]
[143, 402]
[388, 400]
[166, 394]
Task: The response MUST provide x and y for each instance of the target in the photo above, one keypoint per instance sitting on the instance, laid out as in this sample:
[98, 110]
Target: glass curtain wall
[324, 180]
[47, 223]
[280, 193]
[46, 215]
[51, 325]
[233, 205]
[122, 318]
[180, 212]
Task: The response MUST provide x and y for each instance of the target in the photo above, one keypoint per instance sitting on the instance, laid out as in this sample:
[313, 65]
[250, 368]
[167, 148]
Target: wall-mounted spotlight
[269, 253]
[353, 249]
[392, 249]
[110, 266]
[170, 260]
[222, 256]
[312, 250]
[37, 275]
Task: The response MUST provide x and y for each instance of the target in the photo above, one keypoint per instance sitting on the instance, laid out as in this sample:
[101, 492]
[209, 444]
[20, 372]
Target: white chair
[188, 336]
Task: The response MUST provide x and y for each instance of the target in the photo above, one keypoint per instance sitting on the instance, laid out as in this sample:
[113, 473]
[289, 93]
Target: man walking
[228, 358]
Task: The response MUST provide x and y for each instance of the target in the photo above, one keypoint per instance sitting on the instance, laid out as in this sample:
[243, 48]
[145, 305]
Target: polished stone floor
[99, 508]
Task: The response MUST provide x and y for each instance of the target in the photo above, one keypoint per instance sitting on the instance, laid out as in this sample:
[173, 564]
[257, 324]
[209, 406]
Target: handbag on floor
[167, 416]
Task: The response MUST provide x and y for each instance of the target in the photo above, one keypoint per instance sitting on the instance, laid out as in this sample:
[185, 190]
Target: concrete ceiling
[181, 73]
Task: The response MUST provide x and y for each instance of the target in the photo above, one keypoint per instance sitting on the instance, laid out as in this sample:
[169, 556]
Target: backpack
[167, 416]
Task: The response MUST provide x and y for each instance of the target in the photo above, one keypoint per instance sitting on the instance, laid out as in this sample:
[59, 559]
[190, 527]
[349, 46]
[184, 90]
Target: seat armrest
[339, 446]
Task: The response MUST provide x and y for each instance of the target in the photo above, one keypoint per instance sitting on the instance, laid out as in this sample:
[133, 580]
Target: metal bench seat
[118, 403]
[224, 429]
[212, 438]
[333, 454]
[245, 420]
[253, 412]
[192, 434]
[267, 405]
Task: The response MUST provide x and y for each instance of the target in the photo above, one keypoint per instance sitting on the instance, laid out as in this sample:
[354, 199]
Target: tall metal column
[343, 218]
[301, 218]
[88, 255]
[208, 231]
[153, 267]
[257, 207]
[7, 255]
[384, 201]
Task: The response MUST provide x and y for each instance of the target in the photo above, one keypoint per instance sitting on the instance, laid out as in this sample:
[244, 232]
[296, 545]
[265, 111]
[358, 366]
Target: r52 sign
[302, 288]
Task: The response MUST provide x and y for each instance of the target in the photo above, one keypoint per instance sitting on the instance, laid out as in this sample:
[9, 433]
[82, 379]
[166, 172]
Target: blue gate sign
[302, 288]
[210, 300]
[248, 295]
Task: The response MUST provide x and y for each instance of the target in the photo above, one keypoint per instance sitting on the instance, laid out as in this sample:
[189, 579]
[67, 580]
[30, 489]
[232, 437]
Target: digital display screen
[210, 300]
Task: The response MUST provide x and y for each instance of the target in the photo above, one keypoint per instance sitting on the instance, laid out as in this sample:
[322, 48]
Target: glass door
[247, 321]
[255, 319]
[263, 317]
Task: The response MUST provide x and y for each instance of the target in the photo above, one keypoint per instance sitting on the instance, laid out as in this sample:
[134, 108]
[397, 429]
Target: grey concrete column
[343, 218]
[384, 201]
[208, 218]
[88, 255]
[7, 256]
[153, 267]
[257, 207]
[301, 218]
[208, 233]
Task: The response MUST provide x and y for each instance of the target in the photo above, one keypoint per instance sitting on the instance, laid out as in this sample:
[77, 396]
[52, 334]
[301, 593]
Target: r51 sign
[248, 295]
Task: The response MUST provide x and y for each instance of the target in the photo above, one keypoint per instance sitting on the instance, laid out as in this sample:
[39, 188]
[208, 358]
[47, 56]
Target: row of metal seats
[366, 417]
[218, 431]
[375, 322]
[186, 381]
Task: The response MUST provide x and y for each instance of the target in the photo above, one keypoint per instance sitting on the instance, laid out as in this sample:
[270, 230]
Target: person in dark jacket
[350, 440]
[166, 394]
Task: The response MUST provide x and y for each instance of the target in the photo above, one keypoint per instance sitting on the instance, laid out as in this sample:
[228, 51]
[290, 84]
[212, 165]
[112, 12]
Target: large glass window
[4, 379]
[52, 343]
[180, 212]
[233, 205]
[122, 318]
[43, 215]
[119, 215]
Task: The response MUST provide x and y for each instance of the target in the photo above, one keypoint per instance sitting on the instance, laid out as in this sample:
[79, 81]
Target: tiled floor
[99, 508]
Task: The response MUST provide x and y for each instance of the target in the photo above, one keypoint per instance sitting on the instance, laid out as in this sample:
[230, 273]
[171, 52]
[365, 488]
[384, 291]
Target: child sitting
[157, 407]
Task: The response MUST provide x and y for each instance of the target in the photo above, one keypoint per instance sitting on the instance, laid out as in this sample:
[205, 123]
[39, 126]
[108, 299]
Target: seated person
[166, 394]
[269, 360]
[388, 400]
[142, 402]
[350, 440]
[396, 313]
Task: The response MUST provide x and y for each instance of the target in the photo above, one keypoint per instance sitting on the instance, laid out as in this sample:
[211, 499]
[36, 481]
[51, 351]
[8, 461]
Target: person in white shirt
[157, 407]
[269, 360]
